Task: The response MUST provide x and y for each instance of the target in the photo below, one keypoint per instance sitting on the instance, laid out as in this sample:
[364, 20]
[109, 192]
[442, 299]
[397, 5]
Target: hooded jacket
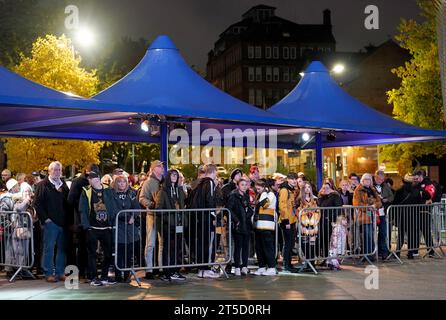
[241, 212]
[287, 213]
[361, 198]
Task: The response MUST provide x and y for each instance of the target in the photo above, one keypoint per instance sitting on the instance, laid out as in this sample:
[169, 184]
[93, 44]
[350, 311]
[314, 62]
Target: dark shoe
[431, 253]
[96, 283]
[291, 269]
[165, 278]
[51, 279]
[228, 269]
[62, 278]
[177, 276]
[149, 276]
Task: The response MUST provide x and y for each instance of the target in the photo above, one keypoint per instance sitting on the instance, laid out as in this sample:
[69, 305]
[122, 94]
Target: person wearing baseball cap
[147, 198]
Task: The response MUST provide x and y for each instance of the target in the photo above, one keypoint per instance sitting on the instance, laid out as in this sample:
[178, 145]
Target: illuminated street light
[339, 68]
[85, 37]
[305, 137]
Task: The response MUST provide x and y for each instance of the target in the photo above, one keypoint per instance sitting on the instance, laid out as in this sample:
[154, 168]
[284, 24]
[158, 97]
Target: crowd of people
[70, 220]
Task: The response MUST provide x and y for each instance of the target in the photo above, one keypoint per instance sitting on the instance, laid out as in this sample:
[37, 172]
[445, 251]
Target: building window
[259, 100]
[293, 75]
[269, 97]
[276, 95]
[251, 74]
[293, 53]
[276, 74]
[286, 52]
[258, 53]
[258, 74]
[250, 52]
[269, 74]
[268, 52]
[275, 52]
[252, 96]
[286, 74]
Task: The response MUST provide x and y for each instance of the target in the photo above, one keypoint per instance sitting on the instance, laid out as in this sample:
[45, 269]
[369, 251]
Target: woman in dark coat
[171, 197]
[241, 213]
[327, 197]
[129, 237]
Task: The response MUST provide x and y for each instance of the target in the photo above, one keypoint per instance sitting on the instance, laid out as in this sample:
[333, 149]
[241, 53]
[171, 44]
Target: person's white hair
[366, 176]
[53, 164]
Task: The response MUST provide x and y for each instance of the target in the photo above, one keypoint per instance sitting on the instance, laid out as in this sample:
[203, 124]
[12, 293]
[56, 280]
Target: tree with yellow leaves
[54, 63]
[418, 100]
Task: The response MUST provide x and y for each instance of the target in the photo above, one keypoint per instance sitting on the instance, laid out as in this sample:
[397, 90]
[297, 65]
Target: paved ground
[415, 279]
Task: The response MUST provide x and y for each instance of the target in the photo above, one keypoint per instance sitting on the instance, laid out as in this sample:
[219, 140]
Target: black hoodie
[241, 212]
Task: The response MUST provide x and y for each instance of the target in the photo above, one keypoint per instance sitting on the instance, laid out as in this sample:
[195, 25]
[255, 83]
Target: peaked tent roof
[27, 106]
[319, 102]
[162, 83]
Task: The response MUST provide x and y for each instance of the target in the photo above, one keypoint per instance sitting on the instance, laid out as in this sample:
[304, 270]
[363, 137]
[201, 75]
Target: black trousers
[265, 249]
[203, 229]
[241, 250]
[325, 232]
[172, 249]
[288, 239]
[126, 255]
[105, 239]
[37, 235]
[308, 247]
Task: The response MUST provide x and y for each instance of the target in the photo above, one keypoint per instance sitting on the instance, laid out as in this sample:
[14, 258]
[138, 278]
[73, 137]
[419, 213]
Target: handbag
[378, 220]
[22, 233]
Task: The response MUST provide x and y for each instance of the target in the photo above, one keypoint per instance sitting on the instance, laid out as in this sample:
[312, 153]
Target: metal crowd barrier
[416, 227]
[332, 234]
[182, 238]
[16, 242]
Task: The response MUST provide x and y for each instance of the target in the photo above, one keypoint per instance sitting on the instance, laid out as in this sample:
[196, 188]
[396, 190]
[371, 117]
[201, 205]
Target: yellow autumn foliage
[54, 63]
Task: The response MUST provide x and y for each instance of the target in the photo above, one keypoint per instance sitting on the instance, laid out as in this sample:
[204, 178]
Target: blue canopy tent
[319, 102]
[163, 84]
[27, 108]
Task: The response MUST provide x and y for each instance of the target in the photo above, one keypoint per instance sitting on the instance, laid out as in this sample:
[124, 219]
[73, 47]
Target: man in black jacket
[77, 236]
[52, 209]
[205, 197]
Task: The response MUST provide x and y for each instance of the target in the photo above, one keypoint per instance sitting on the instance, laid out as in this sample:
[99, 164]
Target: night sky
[194, 25]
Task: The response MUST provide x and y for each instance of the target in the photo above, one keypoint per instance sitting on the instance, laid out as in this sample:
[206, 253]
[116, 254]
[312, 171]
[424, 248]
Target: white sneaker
[237, 272]
[259, 271]
[245, 271]
[210, 274]
[270, 272]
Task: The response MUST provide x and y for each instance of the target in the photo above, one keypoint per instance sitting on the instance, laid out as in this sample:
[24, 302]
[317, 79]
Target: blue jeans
[382, 237]
[53, 236]
[367, 239]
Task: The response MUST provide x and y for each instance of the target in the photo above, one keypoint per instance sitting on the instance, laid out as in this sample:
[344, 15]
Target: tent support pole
[319, 160]
[164, 144]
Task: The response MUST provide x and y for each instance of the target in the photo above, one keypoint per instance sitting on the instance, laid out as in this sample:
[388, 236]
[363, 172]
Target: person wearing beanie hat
[77, 253]
[96, 210]
[11, 183]
[287, 218]
[226, 190]
[236, 175]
